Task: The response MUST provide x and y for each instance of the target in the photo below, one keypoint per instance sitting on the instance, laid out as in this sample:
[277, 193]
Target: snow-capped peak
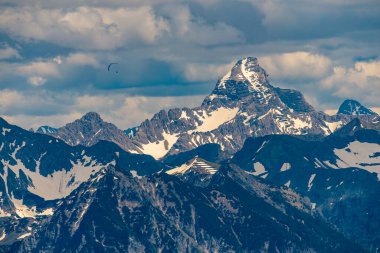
[246, 78]
[195, 165]
[46, 130]
[353, 107]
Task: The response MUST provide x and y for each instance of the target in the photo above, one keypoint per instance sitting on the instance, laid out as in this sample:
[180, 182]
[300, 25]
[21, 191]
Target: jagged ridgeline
[243, 104]
[254, 168]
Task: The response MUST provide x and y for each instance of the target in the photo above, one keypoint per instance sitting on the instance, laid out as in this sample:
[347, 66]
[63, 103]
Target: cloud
[57, 59]
[334, 111]
[82, 59]
[36, 73]
[36, 103]
[376, 109]
[135, 109]
[58, 52]
[360, 81]
[7, 52]
[36, 80]
[206, 72]
[307, 19]
[296, 65]
[56, 69]
[84, 27]
[190, 29]
[324, 82]
[43, 68]
[32, 109]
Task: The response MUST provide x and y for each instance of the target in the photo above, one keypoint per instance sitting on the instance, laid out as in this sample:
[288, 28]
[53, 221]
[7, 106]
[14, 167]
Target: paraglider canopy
[110, 66]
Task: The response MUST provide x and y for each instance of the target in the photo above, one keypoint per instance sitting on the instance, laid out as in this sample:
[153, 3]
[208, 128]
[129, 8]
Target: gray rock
[91, 129]
[353, 107]
[243, 104]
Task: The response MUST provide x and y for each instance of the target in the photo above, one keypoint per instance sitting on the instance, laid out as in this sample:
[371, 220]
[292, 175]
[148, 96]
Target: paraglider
[110, 65]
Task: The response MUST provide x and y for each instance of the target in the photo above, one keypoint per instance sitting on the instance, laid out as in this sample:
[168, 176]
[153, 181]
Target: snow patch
[134, 174]
[184, 116]
[301, 124]
[23, 211]
[332, 126]
[3, 235]
[262, 146]
[270, 112]
[5, 131]
[24, 235]
[285, 167]
[204, 167]
[4, 213]
[261, 91]
[259, 169]
[310, 183]
[215, 119]
[362, 155]
[47, 212]
[60, 183]
[222, 82]
[181, 169]
[159, 149]
[98, 132]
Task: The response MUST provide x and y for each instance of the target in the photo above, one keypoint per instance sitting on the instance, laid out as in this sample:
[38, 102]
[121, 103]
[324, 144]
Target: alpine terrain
[254, 168]
[243, 104]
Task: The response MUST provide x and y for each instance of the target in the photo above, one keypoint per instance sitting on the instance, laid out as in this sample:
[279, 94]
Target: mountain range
[254, 168]
[243, 104]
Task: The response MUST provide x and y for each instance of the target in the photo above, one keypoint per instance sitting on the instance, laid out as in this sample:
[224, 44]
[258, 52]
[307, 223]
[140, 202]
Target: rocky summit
[353, 107]
[89, 130]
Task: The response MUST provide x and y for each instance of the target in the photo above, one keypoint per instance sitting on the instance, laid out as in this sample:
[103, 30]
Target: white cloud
[8, 98]
[37, 72]
[42, 68]
[206, 72]
[37, 80]
[361, 81]
[334, 111]
[8, 52]
[14, 102]
[84, 27]
[34, 121]
[275, 12]
[326, 81]
[376, 109]
[296, 65]
[190, 29]
[57, 60]
[127, 111]
[280, 14]
[82, 59]
[36, 109]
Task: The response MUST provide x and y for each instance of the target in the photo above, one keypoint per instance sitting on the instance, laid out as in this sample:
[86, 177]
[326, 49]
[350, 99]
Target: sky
[170, 53]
